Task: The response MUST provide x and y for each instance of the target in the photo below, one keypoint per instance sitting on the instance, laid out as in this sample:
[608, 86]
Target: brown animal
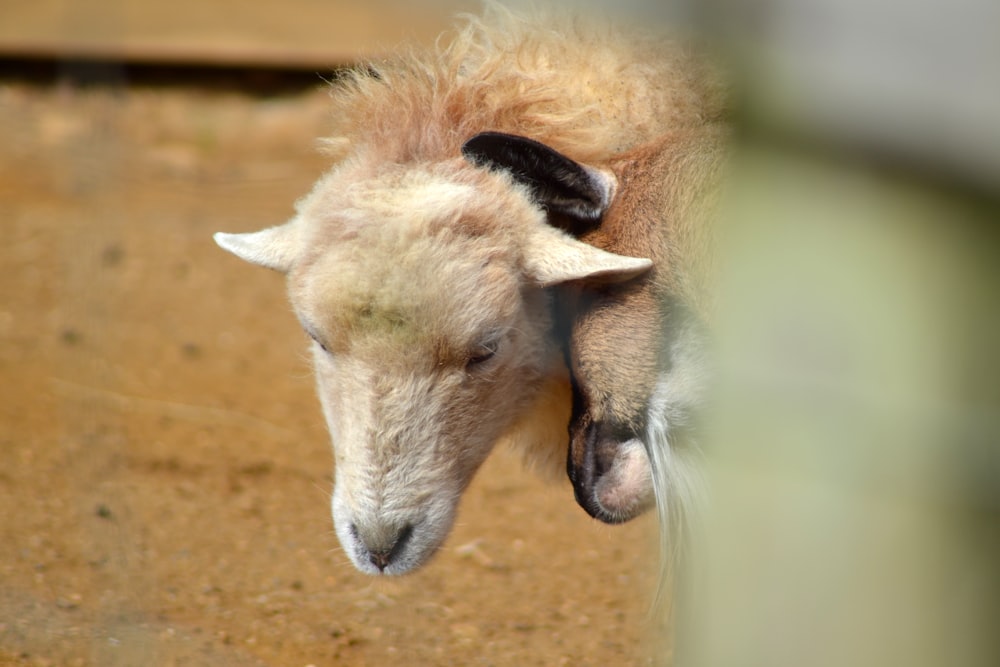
[634, 347]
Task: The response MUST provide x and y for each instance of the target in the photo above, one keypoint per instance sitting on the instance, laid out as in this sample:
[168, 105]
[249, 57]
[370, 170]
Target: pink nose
[607, 482]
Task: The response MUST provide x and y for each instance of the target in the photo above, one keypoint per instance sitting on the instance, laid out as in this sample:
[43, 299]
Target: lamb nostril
[382, 558]
[404, 537]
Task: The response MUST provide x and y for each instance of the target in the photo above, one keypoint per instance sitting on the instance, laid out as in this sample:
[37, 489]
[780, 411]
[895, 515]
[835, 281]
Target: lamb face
[427, 344]
[425, 293]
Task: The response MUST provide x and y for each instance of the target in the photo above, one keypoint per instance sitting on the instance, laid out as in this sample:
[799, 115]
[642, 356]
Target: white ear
[552, 257]
[274, 248]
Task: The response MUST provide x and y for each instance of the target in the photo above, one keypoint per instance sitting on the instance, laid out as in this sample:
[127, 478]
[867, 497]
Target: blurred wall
[291, 33]
[853, 452]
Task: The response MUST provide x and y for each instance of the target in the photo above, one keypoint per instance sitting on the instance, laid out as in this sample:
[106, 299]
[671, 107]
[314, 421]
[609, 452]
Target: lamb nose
[383, 557]
[380, 559]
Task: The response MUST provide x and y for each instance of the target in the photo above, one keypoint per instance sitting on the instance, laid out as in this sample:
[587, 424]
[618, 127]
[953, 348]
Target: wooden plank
[283, 33]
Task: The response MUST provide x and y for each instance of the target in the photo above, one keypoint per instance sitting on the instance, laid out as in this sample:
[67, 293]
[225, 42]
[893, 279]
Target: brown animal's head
[425, 291]
[632, 345]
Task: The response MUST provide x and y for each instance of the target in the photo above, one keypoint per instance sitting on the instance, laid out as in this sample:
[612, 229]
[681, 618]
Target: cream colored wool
[581, 87]
[423, 279]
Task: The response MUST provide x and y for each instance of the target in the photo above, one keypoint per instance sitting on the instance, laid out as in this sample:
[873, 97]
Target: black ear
[558, 183]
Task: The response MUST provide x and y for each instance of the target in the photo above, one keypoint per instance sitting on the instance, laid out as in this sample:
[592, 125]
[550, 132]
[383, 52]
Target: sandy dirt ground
[164, 468]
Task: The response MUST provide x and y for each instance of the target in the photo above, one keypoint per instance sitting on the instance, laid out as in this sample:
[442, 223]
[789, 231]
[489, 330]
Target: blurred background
[164, 469]
[853, 449]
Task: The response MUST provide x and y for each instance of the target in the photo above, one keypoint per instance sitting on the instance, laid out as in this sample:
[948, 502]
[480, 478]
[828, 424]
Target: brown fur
[405, 261]
[584, 89]
[665, 195]
[624, 337]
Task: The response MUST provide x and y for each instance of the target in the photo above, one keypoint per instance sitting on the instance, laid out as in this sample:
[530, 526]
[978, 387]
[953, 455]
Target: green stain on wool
[379, 319]
[381, 324]
[384, 323]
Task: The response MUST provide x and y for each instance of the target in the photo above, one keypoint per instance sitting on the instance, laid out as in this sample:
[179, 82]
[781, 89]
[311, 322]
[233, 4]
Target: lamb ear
[558, 183]
[273, 248]
[552, 257]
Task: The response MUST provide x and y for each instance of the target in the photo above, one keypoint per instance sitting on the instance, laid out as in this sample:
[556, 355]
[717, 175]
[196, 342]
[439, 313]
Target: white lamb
[425, 276]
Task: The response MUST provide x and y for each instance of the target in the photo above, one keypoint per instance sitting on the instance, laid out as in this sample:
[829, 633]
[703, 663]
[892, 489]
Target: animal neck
[540, 433]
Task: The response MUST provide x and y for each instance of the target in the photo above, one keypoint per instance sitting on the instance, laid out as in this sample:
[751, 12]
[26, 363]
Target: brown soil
[164, 468]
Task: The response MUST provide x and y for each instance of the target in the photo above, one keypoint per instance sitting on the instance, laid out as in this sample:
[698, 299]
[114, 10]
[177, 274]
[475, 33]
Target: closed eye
[483, 353]
[316, 340]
